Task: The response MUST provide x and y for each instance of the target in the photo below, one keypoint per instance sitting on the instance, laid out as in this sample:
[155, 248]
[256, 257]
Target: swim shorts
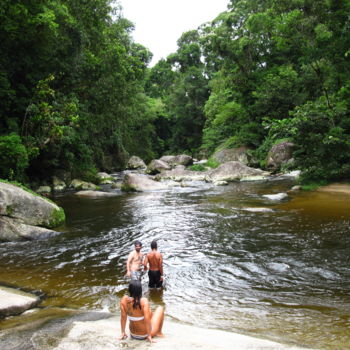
[136, 275]
[154, 279]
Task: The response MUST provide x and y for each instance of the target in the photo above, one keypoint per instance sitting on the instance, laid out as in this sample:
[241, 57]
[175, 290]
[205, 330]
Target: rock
[140, 183]
[277, 196]
[181, 174]
[82, 185]
[14, 301]
[102, 334]
[220, 183]
[239, 154]
[15, 230]
[156, 166]
[296, 188]
[279, 154]
[235, 171]
[182, 159]
[58, 185]
[96, 194]
[105, 179]
[136, 163]
[102, 175]
[44, 189]
[29, 208]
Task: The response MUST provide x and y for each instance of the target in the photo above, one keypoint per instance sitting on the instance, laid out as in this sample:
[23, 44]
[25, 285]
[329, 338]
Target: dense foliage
[71, 88]
[76, 95]
[274, 70]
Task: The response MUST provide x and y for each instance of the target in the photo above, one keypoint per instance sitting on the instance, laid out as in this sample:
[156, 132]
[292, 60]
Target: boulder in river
[156, 166]
[140, 183]
[29, 208]
[136, 163]
[235, 171]
[14, 301]
[14, 230]
[82, 185]
[181, 159]
[179, 173]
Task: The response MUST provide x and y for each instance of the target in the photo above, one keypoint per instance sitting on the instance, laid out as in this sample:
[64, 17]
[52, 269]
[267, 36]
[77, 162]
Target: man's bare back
[155, 261]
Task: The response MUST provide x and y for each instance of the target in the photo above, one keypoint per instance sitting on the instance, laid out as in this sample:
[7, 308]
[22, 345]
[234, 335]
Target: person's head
[138, 245]
[154, 245]
[135, 291]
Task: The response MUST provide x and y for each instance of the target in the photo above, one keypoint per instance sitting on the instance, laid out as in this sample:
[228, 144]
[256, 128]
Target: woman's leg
[157, 322]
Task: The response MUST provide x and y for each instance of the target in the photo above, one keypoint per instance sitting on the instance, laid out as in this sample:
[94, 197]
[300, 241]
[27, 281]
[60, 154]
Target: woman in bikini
[143, 324]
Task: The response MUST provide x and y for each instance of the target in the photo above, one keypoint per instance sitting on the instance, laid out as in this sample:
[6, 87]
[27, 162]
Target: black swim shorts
[154, 279]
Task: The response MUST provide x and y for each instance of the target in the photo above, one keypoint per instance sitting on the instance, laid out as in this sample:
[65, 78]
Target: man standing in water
[135, 262]
[155, 261]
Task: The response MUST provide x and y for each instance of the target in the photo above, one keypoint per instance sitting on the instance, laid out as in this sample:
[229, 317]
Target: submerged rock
[14, 301]
[96, 194]
[277, 196]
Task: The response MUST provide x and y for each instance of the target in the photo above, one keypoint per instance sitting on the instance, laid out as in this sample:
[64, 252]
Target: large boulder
[181, 159]
[14, 230]
[140, 183]
[235, 171]
[239, 154]
[136, 163]
[156, 166]
[29, 208]
[14, 301]
[281, 153]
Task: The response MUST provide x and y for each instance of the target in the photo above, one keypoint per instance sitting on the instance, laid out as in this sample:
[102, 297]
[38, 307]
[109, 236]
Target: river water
[233, 259]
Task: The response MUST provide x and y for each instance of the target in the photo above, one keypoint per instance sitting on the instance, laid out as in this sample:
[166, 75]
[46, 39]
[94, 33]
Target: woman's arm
[123, 318]
[147, 314]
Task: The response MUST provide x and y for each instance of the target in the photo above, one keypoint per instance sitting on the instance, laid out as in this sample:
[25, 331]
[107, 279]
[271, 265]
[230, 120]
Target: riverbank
[102, 335]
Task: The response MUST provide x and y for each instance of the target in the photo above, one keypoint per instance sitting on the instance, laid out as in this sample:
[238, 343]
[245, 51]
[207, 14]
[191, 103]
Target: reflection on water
[233, 259]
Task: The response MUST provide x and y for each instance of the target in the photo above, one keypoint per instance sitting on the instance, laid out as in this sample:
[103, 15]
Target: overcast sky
[160, 23]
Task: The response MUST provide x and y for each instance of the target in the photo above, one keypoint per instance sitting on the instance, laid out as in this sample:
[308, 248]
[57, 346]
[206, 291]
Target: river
[233, 260]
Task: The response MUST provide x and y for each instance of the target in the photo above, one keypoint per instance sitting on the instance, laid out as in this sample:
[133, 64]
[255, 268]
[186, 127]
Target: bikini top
[135, 318]
[132, 318]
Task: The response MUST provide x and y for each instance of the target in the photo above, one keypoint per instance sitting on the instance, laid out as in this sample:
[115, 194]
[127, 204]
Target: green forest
[77, 94]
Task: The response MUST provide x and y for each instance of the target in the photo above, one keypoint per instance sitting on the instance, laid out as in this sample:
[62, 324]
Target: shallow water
[233, 259]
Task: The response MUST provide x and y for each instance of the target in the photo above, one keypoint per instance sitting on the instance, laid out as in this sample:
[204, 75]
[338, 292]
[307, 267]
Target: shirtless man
[135, 262]
[155, 261]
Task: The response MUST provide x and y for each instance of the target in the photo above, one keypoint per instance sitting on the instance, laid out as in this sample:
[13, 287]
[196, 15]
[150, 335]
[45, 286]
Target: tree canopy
[77, 94]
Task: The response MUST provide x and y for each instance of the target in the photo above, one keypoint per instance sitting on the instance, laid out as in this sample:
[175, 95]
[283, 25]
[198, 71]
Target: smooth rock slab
[102, 335]
[14, 301]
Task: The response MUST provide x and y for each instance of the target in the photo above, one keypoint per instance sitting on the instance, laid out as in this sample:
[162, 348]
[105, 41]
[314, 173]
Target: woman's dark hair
[135, 291]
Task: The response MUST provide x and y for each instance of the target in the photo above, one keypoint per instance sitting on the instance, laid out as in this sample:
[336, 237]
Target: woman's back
[136, 316]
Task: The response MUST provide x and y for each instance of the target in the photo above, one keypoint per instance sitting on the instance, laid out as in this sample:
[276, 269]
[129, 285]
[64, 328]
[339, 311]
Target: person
[143, 324]
[155, 261]
[134, 263]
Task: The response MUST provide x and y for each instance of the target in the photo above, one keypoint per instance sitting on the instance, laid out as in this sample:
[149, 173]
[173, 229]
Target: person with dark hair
[134, 263]
[143, 324]
[155, 261]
